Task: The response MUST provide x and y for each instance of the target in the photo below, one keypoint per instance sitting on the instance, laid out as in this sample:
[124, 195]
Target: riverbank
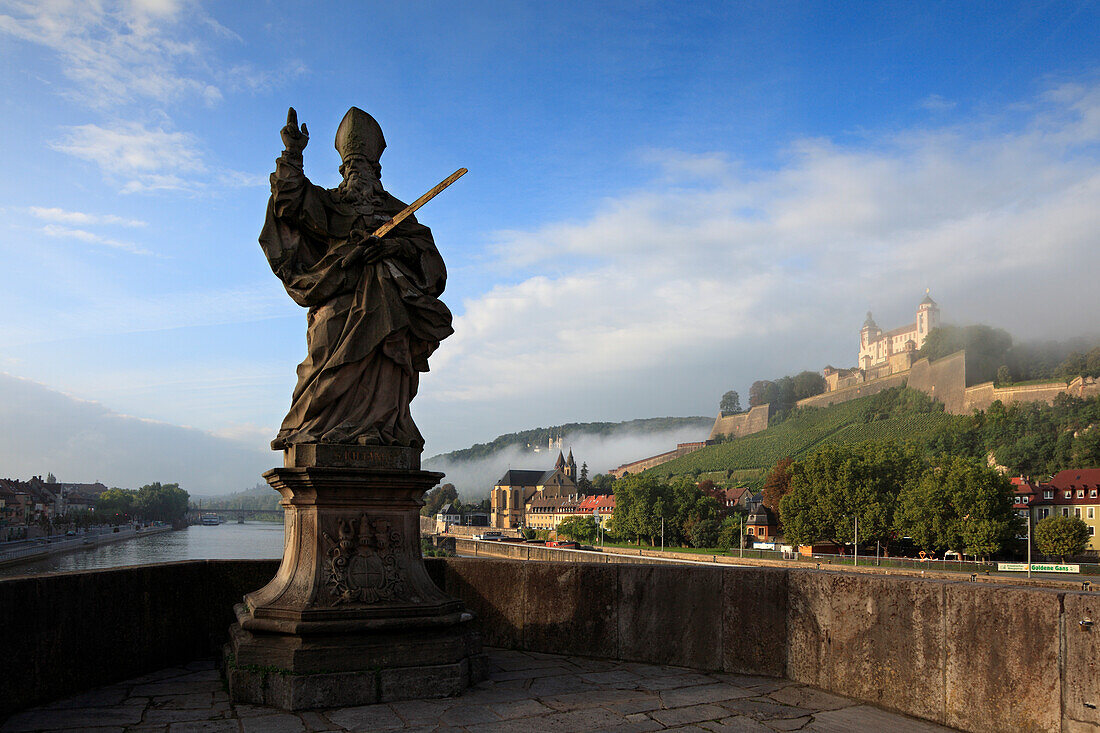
[43, 548]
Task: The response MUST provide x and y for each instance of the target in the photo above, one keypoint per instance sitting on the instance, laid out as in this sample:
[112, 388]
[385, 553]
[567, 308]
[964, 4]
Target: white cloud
[53, 230]
[118, 52]
[681, 276]
[143, 159]
[937, 103]
[62, 216]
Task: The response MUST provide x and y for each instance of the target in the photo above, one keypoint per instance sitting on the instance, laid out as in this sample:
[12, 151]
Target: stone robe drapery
[371, 326]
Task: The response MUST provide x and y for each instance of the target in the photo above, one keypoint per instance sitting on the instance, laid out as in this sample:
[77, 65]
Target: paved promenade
[526, 692]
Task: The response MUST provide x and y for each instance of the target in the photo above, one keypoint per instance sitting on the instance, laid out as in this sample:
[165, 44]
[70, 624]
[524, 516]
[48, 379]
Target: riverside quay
[580, 646]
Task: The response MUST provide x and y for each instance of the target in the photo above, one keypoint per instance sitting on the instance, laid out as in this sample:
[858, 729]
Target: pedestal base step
[283, 689]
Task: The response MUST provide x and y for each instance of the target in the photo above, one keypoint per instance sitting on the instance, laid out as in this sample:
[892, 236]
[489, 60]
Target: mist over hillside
[474, 473]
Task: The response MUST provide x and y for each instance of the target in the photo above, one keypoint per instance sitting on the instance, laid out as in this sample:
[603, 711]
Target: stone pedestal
[352, 617]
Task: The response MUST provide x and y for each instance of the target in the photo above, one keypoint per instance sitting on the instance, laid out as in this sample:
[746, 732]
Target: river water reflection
[248, 541]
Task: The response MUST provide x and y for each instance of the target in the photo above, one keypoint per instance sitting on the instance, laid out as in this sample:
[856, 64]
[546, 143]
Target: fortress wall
[638, 466]
[943, 380]
[981, 396]
[854, 392]
[741, 424]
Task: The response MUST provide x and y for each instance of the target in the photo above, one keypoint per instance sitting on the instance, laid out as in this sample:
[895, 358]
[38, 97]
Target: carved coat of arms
[361, 563]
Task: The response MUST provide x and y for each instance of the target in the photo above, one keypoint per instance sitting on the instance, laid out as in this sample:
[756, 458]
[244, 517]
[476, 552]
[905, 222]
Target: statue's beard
[360, 189]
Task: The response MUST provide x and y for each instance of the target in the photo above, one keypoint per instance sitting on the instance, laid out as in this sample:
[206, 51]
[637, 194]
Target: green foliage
[782, 393]
[1061, 536]
[1030, 438]
[1036, 439]
[986, 348]
[731, 403]
[163, 502]
[959, 505]
[837, 484]
[603, 483]
[260, 497]
[991, 355]
[114, 502]
[748, 459]
[156, 501]
[777, 483]
[729, 533]
[704, 533]
[435, 499]
[642, 501]
[581, 529]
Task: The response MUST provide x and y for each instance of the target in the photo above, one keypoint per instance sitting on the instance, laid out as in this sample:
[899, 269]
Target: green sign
[1021, 567]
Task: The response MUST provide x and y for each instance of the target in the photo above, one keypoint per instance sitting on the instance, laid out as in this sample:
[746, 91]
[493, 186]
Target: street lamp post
[742, 543]
[855, 521]
[1029, 542]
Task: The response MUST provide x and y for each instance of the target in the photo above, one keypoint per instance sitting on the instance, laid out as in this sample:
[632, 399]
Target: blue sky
[665, 200]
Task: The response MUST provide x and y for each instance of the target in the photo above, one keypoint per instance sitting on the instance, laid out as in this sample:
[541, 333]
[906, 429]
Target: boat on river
[210, 518]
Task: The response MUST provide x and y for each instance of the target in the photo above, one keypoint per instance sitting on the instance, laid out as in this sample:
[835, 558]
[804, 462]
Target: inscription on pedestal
[310, 455]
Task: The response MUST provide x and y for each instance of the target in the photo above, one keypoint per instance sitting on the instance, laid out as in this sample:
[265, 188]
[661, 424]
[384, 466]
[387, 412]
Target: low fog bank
[475, 478]
[83, 442]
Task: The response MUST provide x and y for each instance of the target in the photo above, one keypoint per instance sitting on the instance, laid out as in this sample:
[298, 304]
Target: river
[230, 541]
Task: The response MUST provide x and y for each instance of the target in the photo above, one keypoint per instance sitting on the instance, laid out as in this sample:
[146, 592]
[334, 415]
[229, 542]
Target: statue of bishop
[374, 310]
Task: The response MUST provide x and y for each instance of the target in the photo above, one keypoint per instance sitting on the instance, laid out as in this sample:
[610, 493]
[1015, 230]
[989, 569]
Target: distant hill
[261, 496]
[900, 415]
[540, 436]
[599, 445]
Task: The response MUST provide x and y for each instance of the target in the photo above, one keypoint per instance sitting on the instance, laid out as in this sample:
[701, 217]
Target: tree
[581, 529]
[731, 402]
[114, 502]
[51, 479]
[807, 384]
[838, 484]
[583, 483]
[1061, 536]
[960, 505]
[762, 392]
[435, 499]
[161, 502]
[603, 483]
[729, 534]
[777, 483]
[1004, 376]
[705, 533]
[986, 348]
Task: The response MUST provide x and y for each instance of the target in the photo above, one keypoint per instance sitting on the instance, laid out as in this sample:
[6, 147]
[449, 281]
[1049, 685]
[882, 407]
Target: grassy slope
[749, 458]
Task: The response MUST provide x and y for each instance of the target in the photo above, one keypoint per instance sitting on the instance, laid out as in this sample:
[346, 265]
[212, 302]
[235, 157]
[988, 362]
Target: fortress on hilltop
[884, 353]
[891, 359]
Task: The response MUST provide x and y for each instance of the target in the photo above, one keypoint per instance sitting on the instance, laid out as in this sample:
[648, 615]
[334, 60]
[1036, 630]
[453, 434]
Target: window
[1080, 493]
[1092, 494]
[1092, 531]
[1048, 494]
[1065, 511]
[1069, 494]
[1077, 512]
[1092, 511]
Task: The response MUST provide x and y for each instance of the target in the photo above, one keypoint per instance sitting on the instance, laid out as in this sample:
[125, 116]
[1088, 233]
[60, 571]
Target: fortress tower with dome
[885, 353]
[876, 347]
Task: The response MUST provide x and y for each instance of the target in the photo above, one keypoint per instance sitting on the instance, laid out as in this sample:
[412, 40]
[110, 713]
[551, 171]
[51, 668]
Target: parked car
[567, 544]
[489, 536]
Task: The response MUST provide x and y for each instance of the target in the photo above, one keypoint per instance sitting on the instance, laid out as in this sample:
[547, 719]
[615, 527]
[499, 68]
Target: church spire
[560, 463]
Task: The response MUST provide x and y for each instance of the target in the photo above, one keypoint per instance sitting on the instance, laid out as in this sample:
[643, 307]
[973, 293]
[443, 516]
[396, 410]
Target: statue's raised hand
[294, 139]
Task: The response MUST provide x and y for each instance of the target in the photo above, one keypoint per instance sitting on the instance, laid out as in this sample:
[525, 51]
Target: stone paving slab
[526, 692]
